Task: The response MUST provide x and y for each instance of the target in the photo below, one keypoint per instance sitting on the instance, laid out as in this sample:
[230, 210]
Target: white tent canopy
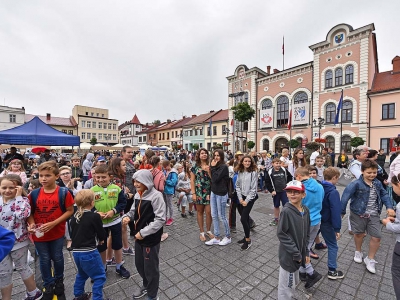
[117, 146]
[85, 146]
[99, 145]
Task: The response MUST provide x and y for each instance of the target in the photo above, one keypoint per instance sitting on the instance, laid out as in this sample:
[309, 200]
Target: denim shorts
[116, 235]
[371, 225]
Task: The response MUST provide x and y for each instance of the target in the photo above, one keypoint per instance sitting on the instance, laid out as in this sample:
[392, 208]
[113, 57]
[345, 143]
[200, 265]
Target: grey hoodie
[293, 233]
[87, 164]
[246, 185]
[148, 211]
[395, 227]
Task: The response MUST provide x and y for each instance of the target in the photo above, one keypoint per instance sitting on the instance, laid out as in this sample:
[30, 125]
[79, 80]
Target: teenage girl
[297, 162]
[16, 167]
[14, 210]
[246, 189]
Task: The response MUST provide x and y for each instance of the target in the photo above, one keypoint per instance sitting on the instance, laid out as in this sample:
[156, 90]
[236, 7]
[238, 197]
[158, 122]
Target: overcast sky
[163, 59]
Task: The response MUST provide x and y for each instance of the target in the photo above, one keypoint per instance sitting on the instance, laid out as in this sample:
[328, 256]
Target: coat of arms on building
[339, 38]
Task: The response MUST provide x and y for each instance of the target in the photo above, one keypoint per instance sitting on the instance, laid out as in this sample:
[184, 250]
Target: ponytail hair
[83, 199]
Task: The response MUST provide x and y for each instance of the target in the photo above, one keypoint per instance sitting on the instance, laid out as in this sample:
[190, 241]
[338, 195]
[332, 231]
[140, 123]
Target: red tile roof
[222, 115]
[135, 120]
[387, 81]
[181, 122]
[201, 118]
[55, 121]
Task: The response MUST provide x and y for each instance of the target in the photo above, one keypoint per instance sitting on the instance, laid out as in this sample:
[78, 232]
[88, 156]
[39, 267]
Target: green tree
[195, 146]
[217, 146]
[250, 144]
[294, 144]
[156, 122]
[356, 141]
[93, 141]
[243, 112]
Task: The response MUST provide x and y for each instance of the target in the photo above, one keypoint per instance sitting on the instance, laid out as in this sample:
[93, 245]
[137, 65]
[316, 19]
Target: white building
[129, 132]
[11, 117]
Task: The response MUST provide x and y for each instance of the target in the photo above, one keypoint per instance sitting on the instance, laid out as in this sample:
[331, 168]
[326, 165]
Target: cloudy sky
[162, 59]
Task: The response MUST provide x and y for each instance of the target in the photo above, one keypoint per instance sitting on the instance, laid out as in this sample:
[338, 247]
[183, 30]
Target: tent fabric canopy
[36, 132]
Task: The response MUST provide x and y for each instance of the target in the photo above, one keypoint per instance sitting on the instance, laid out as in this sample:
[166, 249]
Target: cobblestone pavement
[191, 270]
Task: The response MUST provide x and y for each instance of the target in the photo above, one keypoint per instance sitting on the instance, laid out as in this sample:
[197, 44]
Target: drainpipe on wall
[310, 114]
[369, 122]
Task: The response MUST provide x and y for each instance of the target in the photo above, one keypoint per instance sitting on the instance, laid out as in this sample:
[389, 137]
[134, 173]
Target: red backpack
[158, 179]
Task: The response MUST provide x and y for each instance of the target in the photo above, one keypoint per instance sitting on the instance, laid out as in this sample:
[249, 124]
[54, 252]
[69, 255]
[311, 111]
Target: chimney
[268, 70]
[276, 71]
[194, 116]
[211, 111]
[396, 64]
[48, 117]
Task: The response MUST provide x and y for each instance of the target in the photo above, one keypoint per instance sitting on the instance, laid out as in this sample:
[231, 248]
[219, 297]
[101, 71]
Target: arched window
[338, 76]
[300, 97]
[346, 143]
[241, 97]
[282, 114]
[347, 111]
[349, 74]
[265, 104]
[328, 79]
[280, 144]
[330, 114]
[330, 142]
[300, 140]
[266, 144]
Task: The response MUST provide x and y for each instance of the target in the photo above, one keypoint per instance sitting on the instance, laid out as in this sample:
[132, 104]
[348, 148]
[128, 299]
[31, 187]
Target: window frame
[282, 101]
[13, 118]
[349, 77]
[346, 142]
[328, 81]
[266, 104]
[331, 143]
[387, 145]
[348, 112]
[297, 99]
[338, 76]
[388, 111]
[332, 113]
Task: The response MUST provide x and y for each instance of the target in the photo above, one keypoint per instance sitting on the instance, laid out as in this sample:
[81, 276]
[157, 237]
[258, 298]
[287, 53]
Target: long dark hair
[221, 156]
[115, 168]
[296, 160]
[197, 159]
[253, 167]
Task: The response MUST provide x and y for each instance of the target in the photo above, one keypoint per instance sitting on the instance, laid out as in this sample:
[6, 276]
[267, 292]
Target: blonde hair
[65, 168]
[83, 199]
[22, 169]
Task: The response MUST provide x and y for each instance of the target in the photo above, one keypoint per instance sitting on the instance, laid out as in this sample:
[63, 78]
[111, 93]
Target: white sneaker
[225, 241]
[358, 256]
[370, 264]
[213, 241]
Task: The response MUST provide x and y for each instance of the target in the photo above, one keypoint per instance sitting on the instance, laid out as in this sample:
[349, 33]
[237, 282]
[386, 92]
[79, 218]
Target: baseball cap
[101, 158]
[239, 153]
[295, 185]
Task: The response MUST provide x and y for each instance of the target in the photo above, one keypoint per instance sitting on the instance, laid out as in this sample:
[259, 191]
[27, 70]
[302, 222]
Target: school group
[94, 215]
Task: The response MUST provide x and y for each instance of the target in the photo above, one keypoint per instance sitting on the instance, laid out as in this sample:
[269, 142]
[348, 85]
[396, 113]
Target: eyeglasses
[65, 174]
[294, 192]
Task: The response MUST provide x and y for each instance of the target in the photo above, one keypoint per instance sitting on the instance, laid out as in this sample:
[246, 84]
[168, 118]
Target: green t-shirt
[105, 199]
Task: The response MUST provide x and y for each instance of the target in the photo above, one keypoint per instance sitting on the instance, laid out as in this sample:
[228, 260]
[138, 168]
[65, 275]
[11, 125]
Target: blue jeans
[89, 264]
[218, 213]
[261, 181]
[48, 252]
[330, 239]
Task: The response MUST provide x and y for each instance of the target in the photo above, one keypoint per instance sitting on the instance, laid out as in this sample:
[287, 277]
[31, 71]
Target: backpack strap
[34, 196]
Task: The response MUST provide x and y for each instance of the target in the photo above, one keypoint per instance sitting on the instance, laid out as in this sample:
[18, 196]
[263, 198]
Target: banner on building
[267, 118]
[300, 114]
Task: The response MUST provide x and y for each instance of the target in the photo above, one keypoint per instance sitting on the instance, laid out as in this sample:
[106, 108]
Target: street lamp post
[320, 123]
[227, 138]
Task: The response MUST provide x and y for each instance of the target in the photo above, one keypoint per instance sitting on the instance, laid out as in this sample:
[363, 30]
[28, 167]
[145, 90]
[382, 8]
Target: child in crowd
[246, 189]
[33, 184]
[276, 180]
[171, 179]
[367, 197]
[77, 172]
[185, 191]
[293, 232]
[330, 219]
[319, 165]
[87, 232]
[110, 201]
[313, 201]
[148, 214]
[14, 210]
[15, 167]
[51, 206]
[393, 224]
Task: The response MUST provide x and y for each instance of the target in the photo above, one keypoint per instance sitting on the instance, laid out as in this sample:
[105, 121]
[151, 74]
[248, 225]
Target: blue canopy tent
[36, 132]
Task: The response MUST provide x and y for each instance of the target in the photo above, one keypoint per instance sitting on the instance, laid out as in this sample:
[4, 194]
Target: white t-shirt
[285, 160]
[313, 157]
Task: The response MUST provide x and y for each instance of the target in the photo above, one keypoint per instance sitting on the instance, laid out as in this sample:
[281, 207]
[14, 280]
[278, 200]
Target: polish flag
[232, 127]
[290, 120]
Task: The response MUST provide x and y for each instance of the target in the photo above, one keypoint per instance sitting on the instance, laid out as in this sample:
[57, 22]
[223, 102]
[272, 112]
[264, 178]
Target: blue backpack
[62, 194]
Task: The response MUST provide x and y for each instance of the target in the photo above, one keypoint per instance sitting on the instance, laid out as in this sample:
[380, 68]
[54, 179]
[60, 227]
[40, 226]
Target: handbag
[346, 177]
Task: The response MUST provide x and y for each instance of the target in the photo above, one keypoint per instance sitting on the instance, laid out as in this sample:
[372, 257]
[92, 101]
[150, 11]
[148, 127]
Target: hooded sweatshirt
[219, 179]
[293, 233]
[87, 164]
[171, 182]
[313, 199]
[148, 211]
[331, 206]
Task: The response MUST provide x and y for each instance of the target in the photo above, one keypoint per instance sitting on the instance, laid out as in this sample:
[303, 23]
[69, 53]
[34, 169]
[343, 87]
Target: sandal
[313, 254]
[202, 237]
[210, 235]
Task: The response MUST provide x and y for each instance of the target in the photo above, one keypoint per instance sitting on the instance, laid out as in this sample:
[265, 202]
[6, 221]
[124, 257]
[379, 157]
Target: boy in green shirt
[109, 202]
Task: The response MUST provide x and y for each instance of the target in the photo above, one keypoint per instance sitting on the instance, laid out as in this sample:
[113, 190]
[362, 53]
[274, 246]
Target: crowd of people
[91, 204]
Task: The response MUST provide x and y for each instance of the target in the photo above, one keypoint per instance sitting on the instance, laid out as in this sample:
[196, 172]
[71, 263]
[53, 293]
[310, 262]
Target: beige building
[95, 123]
[66, 125]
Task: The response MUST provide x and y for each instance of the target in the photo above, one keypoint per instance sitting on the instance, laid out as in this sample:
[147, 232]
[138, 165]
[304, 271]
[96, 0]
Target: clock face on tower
[339, 38]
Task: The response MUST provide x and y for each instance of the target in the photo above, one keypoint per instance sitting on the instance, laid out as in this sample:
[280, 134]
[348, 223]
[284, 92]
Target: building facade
[65, 125]
[11, 117]
[129, 131]
[95, 123]
[346, 60]
[384, 97]
[217, 132]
